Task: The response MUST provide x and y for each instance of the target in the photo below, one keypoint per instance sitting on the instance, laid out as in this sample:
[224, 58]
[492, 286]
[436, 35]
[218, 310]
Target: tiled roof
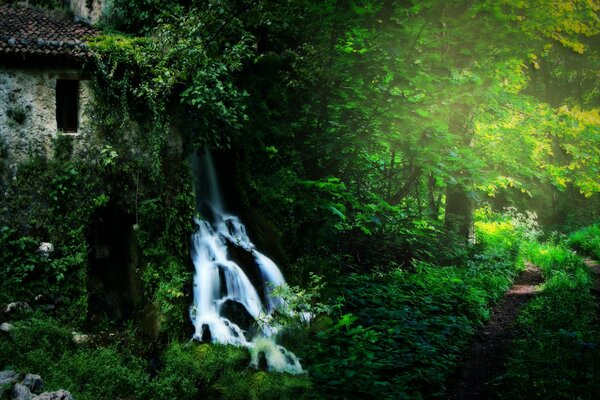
[26, 31]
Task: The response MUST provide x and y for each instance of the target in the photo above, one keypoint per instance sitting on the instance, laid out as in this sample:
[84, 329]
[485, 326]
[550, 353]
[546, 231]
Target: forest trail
[484, 360]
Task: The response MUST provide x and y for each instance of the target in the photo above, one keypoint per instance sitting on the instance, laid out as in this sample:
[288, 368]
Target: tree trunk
[433, 204]
[459, 213]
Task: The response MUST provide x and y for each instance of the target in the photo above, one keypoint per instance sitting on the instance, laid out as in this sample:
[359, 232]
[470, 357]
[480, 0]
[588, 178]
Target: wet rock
[5, 327]
[34, 383]
[237, 313]
[58, 395]
[21, 392]
[206, 334]
[262, 361]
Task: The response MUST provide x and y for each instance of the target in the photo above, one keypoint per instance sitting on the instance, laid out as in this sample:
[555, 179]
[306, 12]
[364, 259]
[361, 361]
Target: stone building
[43, 92]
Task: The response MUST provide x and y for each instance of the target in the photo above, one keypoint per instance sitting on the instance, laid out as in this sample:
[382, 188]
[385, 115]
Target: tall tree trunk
[459, 212]
[433, 204]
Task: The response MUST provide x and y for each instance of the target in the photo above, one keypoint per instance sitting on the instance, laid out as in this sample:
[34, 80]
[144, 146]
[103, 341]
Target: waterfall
[223, 290]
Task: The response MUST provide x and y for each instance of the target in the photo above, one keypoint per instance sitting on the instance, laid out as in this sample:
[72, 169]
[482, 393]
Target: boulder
[58, 395]
[35, 383]
[45, 249]
[5, 327]
[21, 392]
[8, 377]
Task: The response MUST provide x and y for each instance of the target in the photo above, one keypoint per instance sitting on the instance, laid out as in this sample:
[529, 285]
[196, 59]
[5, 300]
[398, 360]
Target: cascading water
[220, 282]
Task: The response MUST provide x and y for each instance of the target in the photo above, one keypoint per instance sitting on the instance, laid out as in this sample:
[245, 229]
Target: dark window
[67, 105]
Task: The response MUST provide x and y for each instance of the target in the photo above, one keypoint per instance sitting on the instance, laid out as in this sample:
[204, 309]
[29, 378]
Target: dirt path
[484, 361]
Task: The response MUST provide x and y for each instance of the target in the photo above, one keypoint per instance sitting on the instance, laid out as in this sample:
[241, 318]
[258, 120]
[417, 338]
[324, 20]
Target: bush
[216, 371]
[587, 241]
[98, 374]
[404, 331]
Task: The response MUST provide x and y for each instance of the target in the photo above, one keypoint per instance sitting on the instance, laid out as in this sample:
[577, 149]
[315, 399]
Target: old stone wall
[88, 11]
[28, 114]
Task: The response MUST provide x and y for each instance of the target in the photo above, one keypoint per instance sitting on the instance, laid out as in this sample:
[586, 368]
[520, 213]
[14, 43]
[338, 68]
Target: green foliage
[42, 345]
[557, 351]
[190, 57]
[163, 230]
[20, 259]
[49, 201]
[553, 258]
[35, 343]
[101, 373]
[217, 371]
[17, 116]
[401, 333]
[586, 240]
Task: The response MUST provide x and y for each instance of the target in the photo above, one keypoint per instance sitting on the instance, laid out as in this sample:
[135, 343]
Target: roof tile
[25, 30]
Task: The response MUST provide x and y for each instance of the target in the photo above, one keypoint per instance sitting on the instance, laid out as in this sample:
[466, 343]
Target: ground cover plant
[557, 352]
[586, 241]
[402, 330]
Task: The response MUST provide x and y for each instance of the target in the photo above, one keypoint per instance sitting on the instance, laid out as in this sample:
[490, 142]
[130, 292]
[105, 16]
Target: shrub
[98, 374]
[217, 371]
[587, 241]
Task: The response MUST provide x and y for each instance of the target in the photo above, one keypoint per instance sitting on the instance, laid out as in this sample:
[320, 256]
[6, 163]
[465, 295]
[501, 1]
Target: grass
[557, 353]
[586, 241]
[41, 345]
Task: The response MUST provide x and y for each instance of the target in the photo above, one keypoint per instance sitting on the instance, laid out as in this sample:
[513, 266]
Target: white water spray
[219, 280]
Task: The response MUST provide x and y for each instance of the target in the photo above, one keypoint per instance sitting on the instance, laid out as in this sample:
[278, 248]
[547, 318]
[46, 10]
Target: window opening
[67, 105]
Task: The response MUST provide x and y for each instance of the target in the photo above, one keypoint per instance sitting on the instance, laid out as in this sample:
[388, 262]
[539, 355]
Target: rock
[35, 383]
[16, 307]
[79, 338]
[58, 395]
[21, 392]
[262, 361]
[45, 249]
[8, 377]
[5, 327]
[237, 313]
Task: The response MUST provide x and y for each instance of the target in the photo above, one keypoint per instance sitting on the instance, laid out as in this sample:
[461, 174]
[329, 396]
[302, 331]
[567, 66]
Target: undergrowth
[557, 353]
[587, 241]
[118, 369]
[401, 330]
